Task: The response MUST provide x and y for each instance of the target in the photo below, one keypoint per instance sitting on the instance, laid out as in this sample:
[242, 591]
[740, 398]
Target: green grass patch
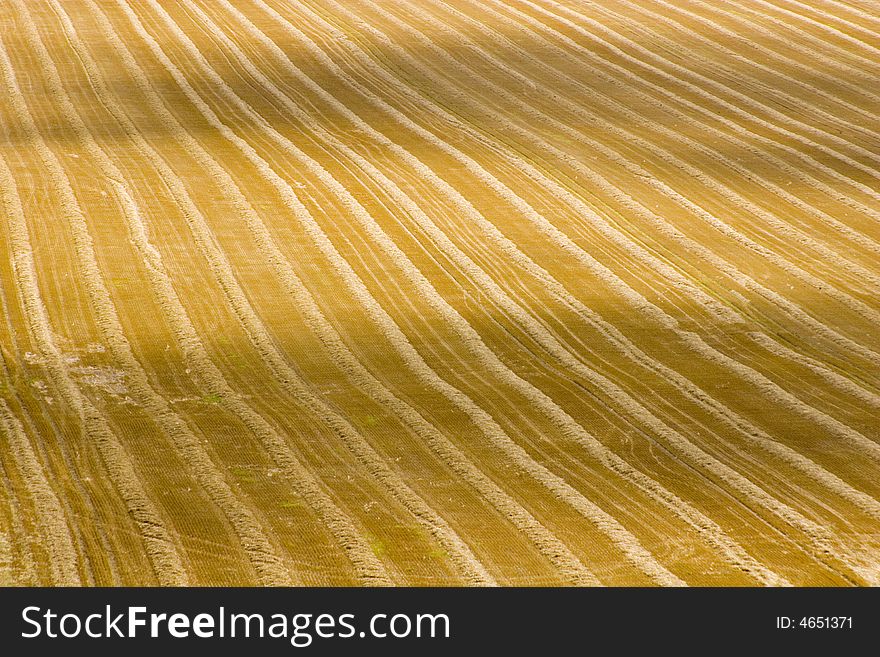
[244, 474]
[438, 554]
[378, 547]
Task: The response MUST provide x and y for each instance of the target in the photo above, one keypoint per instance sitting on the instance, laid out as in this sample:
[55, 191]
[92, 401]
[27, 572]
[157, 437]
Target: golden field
[440, 292]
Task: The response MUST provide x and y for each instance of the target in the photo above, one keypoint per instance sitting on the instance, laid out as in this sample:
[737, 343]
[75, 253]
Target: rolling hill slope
[430, 292]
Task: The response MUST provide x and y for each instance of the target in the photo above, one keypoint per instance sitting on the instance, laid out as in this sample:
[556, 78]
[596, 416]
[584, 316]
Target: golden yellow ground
[440, 292]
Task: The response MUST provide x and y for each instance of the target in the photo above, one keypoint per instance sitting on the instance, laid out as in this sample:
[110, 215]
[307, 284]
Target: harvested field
[440, 292]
